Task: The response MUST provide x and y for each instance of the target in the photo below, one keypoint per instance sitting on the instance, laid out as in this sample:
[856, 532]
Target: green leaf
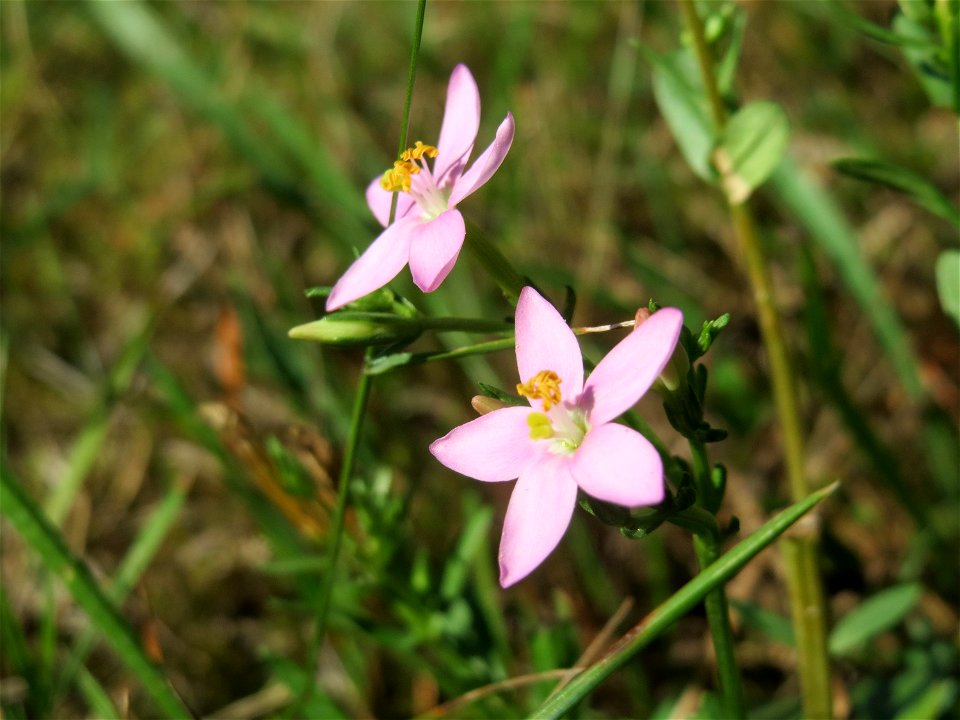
[873, 616]
[683, 105]
[920, 190]
[680, 603]
[948, 283]
[750, 148]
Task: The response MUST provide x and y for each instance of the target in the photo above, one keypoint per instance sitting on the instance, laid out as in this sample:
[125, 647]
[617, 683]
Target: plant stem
[707, 547]
[800, 553]
[356, 424]
[718, 617]
[336, 533]
[482, 325]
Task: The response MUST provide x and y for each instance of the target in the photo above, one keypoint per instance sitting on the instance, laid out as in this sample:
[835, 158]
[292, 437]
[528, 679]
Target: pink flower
[565, 439]
[428, 230]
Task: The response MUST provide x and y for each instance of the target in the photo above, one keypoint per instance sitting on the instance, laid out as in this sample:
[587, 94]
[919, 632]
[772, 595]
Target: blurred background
[174, 177]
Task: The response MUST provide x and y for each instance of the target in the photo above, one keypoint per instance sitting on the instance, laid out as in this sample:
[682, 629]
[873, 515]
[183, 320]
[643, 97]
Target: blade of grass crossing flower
[680, 603]
[49, 545]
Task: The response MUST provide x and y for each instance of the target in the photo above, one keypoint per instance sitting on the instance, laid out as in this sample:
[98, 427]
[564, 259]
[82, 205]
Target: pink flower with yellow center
[565, 440]
[428, 230]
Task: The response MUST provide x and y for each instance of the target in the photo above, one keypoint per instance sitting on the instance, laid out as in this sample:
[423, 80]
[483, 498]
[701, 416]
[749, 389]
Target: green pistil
[540, 427]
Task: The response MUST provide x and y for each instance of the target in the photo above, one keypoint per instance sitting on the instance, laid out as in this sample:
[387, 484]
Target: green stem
[718, 617]
[336, 534]
[443, 324]
[707, 546]
[800, 553]
[356, 421]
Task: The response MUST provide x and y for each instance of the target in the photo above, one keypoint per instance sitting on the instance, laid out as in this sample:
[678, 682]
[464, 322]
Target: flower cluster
[564, 440]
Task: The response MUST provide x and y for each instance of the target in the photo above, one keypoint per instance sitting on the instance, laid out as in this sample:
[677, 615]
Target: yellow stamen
[540, 427]
[545, 385]
[418, 151]
[397, 178]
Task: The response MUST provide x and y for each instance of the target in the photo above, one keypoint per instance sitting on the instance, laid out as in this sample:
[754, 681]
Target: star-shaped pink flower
[565, 440]
[428, 231]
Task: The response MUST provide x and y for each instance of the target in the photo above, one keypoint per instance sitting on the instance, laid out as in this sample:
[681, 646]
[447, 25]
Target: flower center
[563, 424]
[545, 386]
[410, 163]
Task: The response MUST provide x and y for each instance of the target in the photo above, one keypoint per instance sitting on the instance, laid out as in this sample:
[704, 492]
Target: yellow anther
[398, 177]
[545, 385]
[540, 427]
[418, 151]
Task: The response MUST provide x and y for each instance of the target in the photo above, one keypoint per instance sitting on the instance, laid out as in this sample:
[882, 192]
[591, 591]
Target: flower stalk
[353, 440]
[800, 553]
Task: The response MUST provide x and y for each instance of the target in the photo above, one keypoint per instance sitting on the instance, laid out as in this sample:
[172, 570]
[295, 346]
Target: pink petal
[627, 372]
[486, 165]
[545, 342]
[539, 512]
[434, 249]
[378, 265]
[492, 448]
[379, 201]
[619, 465]
[461, 120]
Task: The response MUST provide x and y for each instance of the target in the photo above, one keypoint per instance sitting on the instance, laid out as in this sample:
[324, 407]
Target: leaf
[873, 616]
[684, 108]
[677, 605]
[919, 189]
[948, 283]
[750, 148]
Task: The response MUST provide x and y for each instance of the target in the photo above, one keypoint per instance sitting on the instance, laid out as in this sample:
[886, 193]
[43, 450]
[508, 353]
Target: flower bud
[484, 404]
[359, 329]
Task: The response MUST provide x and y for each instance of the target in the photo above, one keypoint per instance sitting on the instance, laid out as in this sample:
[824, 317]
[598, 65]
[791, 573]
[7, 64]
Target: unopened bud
[358, 329]
[484, 404]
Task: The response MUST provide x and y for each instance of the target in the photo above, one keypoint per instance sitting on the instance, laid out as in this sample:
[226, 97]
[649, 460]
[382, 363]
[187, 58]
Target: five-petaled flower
[565, 439]
[428, 231]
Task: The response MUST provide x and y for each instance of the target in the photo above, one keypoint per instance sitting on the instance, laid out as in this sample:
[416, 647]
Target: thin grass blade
[678, 605]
